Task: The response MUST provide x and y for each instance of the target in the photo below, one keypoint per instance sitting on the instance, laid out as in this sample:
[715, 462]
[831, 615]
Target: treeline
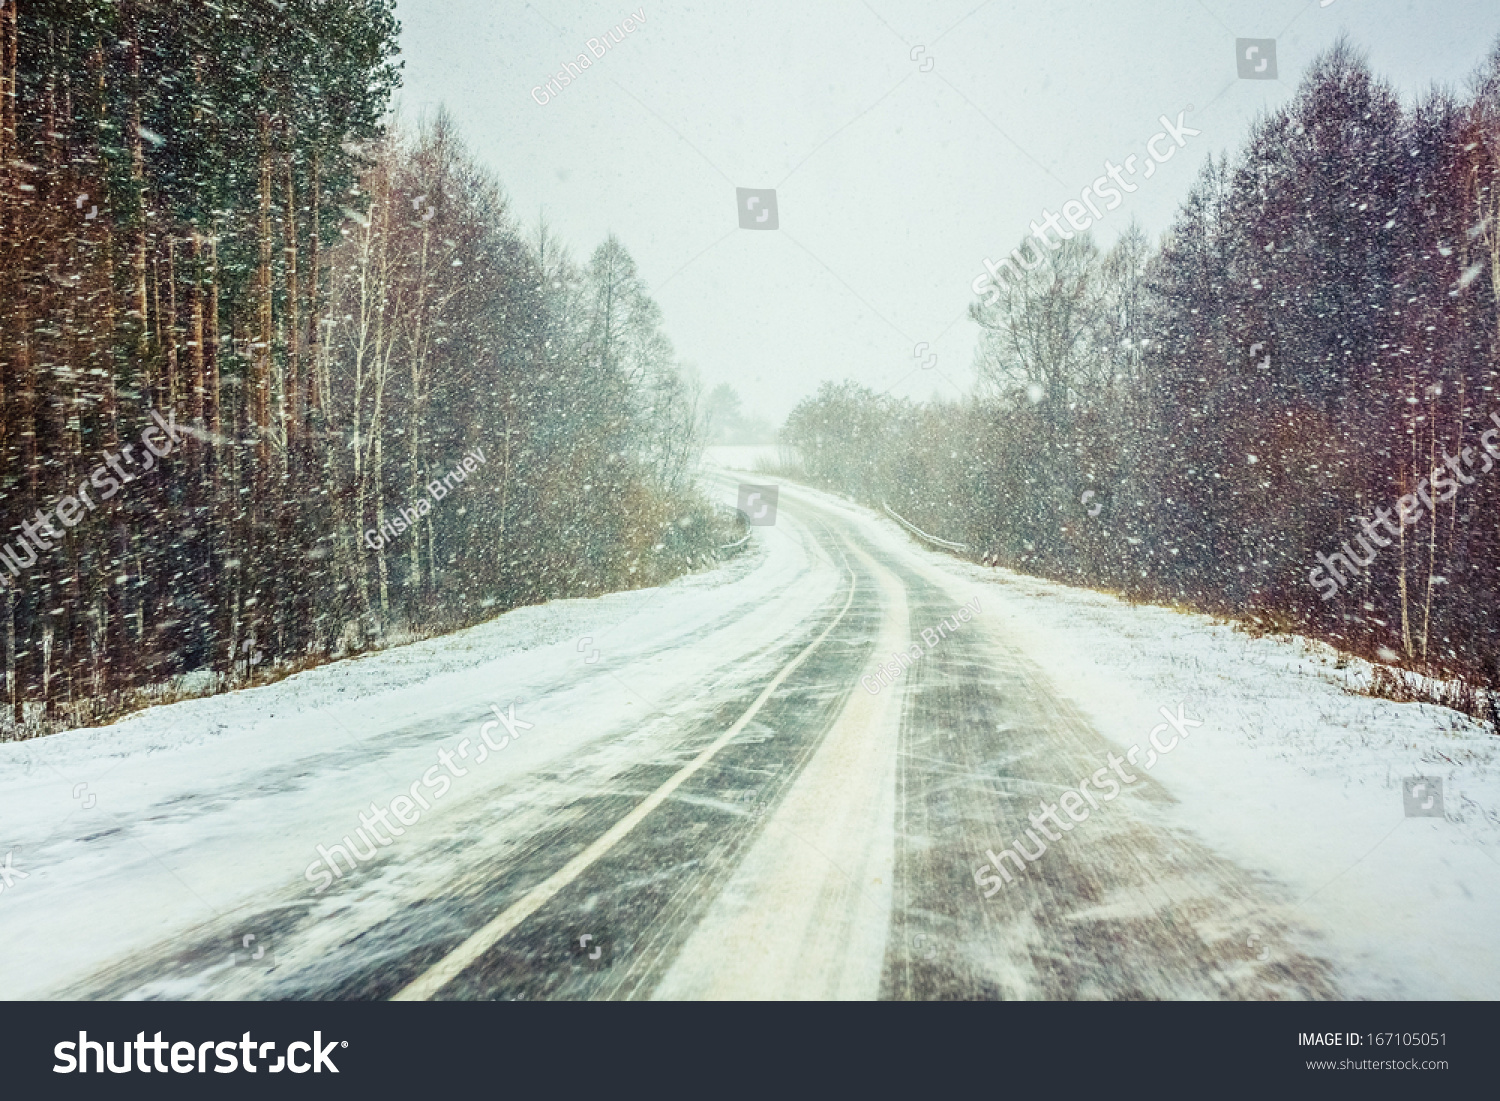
[206, 224]
[725, 422]
[1199, 422]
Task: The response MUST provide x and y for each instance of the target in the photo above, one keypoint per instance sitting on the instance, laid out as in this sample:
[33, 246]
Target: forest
[247, 320]
[1205, 420]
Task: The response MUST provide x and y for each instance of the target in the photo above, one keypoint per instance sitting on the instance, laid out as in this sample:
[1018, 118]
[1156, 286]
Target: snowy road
[709, 800]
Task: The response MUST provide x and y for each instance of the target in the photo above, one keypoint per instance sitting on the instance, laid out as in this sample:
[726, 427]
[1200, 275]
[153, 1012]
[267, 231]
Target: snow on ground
[218, 802]
[1292, 774]
[194, 811]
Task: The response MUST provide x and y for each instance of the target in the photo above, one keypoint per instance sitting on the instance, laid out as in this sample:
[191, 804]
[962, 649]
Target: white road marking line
[453, 964]
[807, 913]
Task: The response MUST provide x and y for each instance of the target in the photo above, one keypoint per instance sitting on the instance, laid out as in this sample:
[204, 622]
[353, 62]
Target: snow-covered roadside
[207, 806]
[199, 810]
[1291, 775]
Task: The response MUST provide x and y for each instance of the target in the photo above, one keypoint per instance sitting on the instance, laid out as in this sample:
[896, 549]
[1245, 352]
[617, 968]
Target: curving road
[703, 794]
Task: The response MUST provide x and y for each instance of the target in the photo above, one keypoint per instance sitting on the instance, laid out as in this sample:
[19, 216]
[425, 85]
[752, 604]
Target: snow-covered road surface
[707, 793]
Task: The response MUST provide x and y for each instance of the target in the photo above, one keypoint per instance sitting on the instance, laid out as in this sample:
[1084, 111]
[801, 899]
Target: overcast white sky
[893, 183]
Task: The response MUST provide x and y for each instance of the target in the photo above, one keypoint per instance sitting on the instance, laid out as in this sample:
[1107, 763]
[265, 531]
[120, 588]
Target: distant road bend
[711, 806]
